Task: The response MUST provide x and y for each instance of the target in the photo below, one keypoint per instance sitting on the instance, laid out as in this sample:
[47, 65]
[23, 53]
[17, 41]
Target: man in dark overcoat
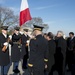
[70, 50]
[4, 54]
[38, 52]
[71, 53]
[52, 48]
[60, 54]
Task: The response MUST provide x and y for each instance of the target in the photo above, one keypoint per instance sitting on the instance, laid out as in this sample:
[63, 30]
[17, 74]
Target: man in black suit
[38, 52]
[70, 50]
[4, 54]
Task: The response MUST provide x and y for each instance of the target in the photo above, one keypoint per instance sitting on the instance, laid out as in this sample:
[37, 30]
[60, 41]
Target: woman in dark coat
[52, 48]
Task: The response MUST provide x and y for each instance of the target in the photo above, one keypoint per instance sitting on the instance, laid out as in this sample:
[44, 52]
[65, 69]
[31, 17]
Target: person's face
[47, 37]
[58, 35]
[70, 35]
[16, 31]
[4, 31]
[25, 32]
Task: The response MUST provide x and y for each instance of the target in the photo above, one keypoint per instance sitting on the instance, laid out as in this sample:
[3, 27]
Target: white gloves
[21, 32]
[6, 44]
[28, 41]
[10, 36]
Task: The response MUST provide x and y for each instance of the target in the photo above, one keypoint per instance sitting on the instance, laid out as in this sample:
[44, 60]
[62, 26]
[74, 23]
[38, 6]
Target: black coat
[52, 48]
[61, 46]
[24, 42]
[38, 52]
[70, 54]
[60, 54]
[4, 56]
[71, 44]
[15, 48]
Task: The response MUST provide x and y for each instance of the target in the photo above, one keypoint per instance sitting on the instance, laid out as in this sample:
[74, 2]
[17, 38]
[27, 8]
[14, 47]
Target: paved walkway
[10, 72]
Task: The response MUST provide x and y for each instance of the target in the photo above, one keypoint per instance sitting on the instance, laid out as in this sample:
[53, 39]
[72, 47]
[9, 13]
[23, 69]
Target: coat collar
[38, 35]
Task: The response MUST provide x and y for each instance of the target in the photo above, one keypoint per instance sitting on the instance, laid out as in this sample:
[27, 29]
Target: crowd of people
[41, 53]
[61, 53]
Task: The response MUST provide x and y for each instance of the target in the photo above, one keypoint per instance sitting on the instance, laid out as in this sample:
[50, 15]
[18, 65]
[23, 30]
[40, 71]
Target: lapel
[4, 37]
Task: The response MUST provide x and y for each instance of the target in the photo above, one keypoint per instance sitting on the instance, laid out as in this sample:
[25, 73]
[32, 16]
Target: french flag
[24, 12]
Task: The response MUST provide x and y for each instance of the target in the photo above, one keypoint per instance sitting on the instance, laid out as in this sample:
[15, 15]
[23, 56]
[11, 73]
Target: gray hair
[61, 33]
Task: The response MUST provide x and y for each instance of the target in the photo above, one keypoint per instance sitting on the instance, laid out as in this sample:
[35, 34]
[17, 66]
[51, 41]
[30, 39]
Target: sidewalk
[10, 72]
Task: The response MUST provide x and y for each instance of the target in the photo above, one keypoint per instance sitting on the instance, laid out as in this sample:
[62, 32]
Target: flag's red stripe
[24, 16]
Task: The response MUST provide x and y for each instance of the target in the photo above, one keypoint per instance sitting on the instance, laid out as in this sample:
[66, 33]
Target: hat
[25, 30]
[40, 28]
[17, 28]
[4, 27]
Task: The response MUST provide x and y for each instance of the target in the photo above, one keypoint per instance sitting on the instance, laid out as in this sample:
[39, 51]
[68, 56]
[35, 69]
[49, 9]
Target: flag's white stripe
[24, 5]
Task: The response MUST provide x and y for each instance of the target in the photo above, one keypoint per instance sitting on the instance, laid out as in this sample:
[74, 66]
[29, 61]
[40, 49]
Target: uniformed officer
[25, 55]
[38, 52]
[4, 53]
[15, 49]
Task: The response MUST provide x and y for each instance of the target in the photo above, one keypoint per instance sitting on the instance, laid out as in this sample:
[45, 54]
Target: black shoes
[16, 70]
[68, 70]
[24, 67]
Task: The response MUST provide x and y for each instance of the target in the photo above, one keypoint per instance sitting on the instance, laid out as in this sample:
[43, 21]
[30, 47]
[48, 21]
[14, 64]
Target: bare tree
[36, 21]
[7, 17]
[46, 27]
